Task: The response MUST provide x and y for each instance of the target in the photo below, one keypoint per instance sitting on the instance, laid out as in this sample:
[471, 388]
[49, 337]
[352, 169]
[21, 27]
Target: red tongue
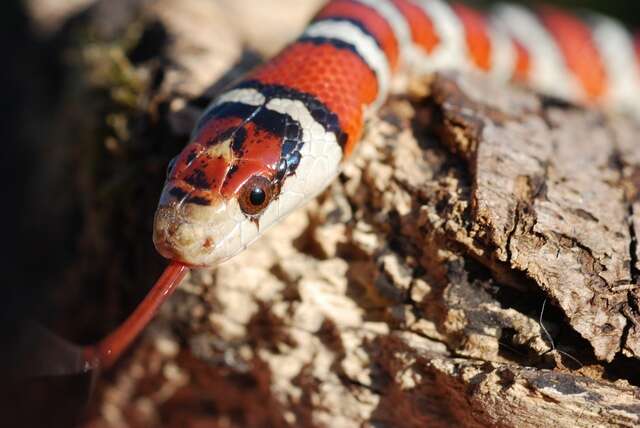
[108, 350]
[41, 353]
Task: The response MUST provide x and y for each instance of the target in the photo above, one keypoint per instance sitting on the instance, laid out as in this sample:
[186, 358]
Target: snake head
[246, 167]
[218, 189]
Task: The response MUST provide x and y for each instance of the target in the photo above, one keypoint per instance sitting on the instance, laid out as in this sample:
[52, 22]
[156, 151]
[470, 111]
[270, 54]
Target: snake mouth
[196, 234]
[173, 237]
[192, 234]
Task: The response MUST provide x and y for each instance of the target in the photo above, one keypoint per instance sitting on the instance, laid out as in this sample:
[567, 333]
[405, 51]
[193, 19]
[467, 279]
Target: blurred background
[77, 210]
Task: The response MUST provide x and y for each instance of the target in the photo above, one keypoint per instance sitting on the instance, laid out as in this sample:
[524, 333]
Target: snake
[278, 137]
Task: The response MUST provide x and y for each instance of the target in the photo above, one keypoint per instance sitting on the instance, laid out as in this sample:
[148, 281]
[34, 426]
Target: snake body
[278, 137]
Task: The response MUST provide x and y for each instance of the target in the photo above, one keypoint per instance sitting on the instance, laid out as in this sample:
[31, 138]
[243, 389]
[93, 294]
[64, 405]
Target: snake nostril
[208, 244]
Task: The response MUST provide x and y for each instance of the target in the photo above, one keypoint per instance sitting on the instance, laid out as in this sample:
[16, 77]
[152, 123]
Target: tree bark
[475, 264]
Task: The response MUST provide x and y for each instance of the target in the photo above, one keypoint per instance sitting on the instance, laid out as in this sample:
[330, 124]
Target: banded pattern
[277, 138]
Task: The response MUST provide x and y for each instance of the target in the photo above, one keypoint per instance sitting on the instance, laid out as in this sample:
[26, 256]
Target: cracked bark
[410, 293]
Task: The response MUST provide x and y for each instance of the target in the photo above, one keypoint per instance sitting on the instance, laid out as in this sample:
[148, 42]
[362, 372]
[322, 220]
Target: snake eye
[255, 195]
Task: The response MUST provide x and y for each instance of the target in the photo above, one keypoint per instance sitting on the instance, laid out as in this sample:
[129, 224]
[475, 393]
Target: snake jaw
[198, 235]
[173, 238]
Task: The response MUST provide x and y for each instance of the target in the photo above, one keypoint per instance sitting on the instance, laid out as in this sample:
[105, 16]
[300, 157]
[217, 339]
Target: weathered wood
[410, 293]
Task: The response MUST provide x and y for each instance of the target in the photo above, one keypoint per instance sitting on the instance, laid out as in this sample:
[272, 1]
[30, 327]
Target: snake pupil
[257, 196]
